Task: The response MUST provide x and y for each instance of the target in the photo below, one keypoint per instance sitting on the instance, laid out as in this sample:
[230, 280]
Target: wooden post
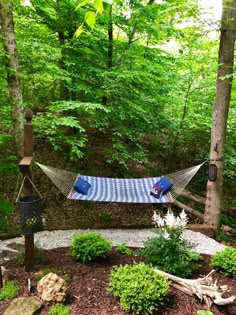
[1, 281]
[25, 168]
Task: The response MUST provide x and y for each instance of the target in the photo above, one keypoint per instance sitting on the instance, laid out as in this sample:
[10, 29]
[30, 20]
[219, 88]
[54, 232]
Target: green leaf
[98, 6]
[82, 4]
[90, 18]
[79, 31]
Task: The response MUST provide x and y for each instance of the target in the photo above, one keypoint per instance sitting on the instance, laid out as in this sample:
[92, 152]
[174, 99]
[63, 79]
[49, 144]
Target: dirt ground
[87, 289]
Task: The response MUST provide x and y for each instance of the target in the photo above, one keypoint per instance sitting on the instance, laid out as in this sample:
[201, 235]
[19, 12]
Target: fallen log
[6, 236]
[188, 209]
[194, 197]
[204, 288]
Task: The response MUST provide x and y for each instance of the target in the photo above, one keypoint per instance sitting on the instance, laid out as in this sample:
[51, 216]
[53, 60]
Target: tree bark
[12, 63]
[220, 113]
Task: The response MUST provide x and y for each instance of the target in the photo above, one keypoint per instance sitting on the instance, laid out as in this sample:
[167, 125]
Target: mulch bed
[87, 294]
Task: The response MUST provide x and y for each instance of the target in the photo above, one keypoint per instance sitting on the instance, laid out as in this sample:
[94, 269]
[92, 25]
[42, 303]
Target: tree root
[204, 288]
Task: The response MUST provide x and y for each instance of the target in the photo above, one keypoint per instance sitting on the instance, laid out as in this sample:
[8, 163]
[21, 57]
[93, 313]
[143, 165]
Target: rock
[52, 288]
[23, 306]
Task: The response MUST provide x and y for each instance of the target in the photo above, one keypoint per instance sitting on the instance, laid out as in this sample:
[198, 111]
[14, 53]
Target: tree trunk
[220, 113]
[64, 92]
[11, 56]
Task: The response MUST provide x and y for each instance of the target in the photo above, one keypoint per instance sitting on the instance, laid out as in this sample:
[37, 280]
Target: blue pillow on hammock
[82, 186]
[161, 187]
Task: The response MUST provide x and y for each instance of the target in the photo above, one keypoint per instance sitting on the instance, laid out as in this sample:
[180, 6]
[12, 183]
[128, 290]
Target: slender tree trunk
[109, 50]
[220, 113]
[64, 92]
[11, 56]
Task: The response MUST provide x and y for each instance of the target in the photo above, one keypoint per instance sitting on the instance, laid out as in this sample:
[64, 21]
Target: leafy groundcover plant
[225, 261]
[59, 309]
[89, 246]
[204, 312]
[139, 287]
[169, 251]
[123, 249]
[8, 291]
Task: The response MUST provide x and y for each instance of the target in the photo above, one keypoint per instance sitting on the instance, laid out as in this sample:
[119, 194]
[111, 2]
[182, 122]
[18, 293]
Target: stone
[23, 306]
[52, 288]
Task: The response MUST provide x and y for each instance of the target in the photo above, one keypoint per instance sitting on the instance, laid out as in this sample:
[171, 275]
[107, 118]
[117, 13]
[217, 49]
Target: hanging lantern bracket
[222, 158]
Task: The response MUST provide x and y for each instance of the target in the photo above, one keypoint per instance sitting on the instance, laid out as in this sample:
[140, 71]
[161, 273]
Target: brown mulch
[87, 289]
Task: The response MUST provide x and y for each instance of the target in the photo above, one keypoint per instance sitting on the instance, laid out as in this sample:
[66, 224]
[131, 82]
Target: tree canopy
[135, 88]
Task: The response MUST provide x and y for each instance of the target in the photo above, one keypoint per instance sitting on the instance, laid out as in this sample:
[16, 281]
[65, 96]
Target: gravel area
[131, 237]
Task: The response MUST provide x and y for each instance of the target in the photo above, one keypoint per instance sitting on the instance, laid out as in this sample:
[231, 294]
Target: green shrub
[9, 291]
[59, 309]
[89, 246]
[171, 254]
[123, 249]
[225, 261]
[139, 287]
[38, 255]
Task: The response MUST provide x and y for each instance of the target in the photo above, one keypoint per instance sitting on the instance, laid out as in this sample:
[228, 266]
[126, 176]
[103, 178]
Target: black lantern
[212, 172]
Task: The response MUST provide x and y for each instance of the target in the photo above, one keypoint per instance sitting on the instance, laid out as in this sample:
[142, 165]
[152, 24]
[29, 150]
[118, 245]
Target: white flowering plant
[169, 251]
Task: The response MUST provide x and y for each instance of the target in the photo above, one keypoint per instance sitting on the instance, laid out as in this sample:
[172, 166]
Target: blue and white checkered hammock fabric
[130, 190]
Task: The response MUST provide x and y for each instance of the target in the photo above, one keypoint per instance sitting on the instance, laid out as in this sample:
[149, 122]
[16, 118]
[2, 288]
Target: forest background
[131, 97]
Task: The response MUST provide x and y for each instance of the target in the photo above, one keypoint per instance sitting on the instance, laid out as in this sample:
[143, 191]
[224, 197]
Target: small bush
[123, 249]
[9, 291]
[38, 256]
[172, 254]
[59, 309]
[89, 246]
[225, 261]
[139, 287]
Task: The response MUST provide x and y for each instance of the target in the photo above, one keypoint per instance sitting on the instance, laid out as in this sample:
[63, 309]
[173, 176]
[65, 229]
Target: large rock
[52, 288]
[23, 306]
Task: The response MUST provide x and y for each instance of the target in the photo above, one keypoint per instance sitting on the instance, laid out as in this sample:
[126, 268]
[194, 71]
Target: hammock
[131, 190]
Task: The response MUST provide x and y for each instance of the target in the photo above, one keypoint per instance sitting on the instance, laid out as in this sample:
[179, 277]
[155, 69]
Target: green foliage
[105, 217]
[123, 249]
[59, 309]
[139, 287]
[156, 98]
[204, 312]
[6, 208]
[39, 258]
[61, 127]
[225, 261]
[89, 246]
[8, 291]
[227, 219]
[173, 254]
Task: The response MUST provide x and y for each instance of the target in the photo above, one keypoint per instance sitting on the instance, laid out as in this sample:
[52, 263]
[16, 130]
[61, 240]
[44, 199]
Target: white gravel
[131, 237]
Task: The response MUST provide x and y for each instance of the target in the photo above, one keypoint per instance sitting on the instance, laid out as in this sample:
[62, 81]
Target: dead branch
[204, 288]
[194, 197]
[188, 209]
